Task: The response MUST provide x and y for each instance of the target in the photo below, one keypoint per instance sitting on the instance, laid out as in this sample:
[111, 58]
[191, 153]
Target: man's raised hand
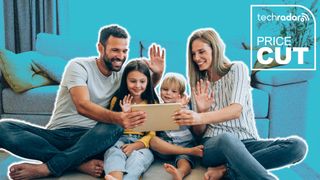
[157, 59]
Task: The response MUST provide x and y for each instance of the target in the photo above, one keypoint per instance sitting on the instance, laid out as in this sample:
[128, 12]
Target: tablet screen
[159, 116]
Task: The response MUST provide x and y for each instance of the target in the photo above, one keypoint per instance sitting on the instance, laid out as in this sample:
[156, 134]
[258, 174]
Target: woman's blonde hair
[220, 63]
[174, 79]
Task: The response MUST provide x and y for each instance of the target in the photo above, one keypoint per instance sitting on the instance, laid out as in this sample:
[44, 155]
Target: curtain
[24, 19]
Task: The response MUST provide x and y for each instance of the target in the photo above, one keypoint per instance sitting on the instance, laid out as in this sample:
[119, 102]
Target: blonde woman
[223, 115]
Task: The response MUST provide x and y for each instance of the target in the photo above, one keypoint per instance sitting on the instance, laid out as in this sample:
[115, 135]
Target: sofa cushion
[20, 72]
[260, 103]
[34, 101]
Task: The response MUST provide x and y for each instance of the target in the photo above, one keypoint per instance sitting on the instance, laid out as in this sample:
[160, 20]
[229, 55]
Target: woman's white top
[234, 87]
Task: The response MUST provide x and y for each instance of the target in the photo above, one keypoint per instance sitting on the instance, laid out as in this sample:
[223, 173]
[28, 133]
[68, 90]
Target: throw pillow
[20, 72]
[53, 67]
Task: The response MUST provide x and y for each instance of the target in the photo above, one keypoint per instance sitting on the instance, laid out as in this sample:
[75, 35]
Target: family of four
[92, 118]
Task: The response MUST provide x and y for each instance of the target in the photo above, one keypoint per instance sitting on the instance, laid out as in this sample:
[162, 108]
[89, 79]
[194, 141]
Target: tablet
[159, 116]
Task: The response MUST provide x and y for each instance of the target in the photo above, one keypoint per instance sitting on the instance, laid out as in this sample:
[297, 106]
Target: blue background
[169, 23]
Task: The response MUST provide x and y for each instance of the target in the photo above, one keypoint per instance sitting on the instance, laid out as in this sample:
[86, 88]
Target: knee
[5, 125]
[227, 140]
[222, 144]
[220, 141]
[142, 158]
[6, 136]
[154, 143]
[114, 151]
[297, 147]
[3, 130]
[108, 130]
[115, 130]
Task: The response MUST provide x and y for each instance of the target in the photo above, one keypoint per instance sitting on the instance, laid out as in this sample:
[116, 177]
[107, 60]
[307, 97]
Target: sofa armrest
[288, 95]
[278, 78]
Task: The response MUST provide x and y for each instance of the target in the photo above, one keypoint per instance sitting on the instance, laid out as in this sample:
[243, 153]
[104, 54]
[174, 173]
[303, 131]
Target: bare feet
[215, 173]
[25, 171]
[176, 175]
[197, 151]
[93, 167]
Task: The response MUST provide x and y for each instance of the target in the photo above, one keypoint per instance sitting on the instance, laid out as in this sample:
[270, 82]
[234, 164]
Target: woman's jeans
[133, 165]
[249, 159]
[60, 149]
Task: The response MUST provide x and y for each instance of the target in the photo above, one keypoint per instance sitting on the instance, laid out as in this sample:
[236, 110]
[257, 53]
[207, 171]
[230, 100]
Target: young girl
[130, 156]
[177, 145]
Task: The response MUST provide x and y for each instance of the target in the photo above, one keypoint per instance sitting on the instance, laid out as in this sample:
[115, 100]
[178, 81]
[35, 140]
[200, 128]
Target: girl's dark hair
[149, 94]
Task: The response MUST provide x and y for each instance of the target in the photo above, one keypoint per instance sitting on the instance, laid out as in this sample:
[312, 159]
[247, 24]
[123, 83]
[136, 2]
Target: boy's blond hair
[174, 79]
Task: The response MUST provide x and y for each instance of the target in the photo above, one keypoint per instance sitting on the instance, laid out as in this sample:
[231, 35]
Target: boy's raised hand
[125, 104]
[203, 98]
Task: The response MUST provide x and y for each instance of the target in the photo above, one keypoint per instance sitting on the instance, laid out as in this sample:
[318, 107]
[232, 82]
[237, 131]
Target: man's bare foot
[176, 175]
[93, 167]
[109, 177]
[28, 171]
[215, 173]
[197, 151]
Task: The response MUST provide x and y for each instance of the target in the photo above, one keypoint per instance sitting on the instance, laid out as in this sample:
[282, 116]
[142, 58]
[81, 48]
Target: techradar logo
[273, 17]
[282, 37]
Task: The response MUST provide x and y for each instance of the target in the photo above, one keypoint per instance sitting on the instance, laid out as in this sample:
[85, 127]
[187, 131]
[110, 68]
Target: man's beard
[108, 63]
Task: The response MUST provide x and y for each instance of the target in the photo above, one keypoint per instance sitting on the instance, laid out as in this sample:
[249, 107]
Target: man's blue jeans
[249, 159]
[60, 149]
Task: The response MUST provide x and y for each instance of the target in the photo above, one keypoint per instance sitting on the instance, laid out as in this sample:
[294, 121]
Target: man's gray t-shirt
[82, 72]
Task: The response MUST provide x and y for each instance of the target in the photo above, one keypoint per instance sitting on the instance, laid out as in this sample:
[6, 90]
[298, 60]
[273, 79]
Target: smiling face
[170, 94]
[114, 53]
[137, 83]
[201, 54]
